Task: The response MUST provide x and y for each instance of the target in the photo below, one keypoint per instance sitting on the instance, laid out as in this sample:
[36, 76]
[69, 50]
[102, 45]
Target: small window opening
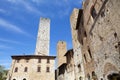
[90, 53]
[39, 69]
[16, 69]
[48, 60]
[115, 35]
[47, 69]
[93, 12]
[26, 69]
[39, 60]
[85, 58]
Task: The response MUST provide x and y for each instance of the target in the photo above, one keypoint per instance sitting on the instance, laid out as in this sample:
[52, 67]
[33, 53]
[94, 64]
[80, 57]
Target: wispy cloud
[5, 47]
[9, 41]
[8, 26]
[26, 5]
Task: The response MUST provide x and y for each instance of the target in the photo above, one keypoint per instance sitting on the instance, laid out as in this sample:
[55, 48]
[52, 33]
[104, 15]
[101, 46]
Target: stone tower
[61, 50]
[43, 37]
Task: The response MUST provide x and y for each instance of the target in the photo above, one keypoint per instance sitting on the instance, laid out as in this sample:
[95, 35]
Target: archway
[24, 79]
[94, 76]
[114, 76]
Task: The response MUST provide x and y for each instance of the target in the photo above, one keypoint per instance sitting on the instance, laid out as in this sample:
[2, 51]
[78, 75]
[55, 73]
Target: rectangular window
[90, 53]
[85, 58]
[16, 69]
[48, 60]
[25, 70]
[39, 60]
[47, 69]
[39, 69]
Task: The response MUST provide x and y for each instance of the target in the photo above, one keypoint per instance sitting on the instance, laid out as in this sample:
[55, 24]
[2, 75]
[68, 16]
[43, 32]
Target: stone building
[69, 72]
[61, 59]
[35, 67]
[66, 70]
[78, 59]
[98, 32]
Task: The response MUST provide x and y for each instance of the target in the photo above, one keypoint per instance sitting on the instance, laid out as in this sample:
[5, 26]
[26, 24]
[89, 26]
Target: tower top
[43, 37]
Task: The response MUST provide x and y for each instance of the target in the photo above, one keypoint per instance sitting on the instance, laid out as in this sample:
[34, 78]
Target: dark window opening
[39, 69]
[103, 13]
[47, 69]
[115, 35]
[79, 67]
[48, 60]
[88, 76]
[16, 69]
[24, 79]
[114, 76]
[85, 34]
[14, 79]
[90, 53]
[39, 60]
[85, 58]
[94, 76]
[93, 12]
[26, 69]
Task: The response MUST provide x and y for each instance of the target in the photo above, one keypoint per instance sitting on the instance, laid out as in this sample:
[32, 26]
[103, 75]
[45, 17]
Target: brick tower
[43, 37]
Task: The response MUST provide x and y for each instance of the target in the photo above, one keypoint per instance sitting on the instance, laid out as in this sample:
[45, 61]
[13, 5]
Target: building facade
[35, 67]
[32, 67]
[78, 59]
[97, 31]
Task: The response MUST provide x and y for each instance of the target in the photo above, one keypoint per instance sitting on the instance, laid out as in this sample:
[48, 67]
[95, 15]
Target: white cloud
[8, 26]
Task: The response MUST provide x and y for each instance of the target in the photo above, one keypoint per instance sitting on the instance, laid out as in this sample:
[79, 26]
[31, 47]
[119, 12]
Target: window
[16, 69]
[90, 53]
[48, 60]
[14, 79]
[24, 79]
[93, 12]
[85, 58]
[47, 69]
[39, 69]
[39, 60]
[25, 70]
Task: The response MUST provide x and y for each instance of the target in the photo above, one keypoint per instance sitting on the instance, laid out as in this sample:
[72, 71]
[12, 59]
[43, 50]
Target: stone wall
[76, 45]
[105, 38]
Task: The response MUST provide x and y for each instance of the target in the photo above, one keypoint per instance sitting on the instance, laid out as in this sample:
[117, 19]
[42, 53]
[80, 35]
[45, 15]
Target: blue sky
[19, 21]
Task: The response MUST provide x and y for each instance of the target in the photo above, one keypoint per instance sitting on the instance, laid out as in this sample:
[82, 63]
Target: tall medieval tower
[43, 37]
[61, 50]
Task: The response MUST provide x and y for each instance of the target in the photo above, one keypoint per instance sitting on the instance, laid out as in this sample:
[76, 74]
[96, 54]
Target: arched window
[16, 69]
[24, 79]
[88, 76]
[25, 70]
[94, 76]
[14, 79]
[93, 12]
